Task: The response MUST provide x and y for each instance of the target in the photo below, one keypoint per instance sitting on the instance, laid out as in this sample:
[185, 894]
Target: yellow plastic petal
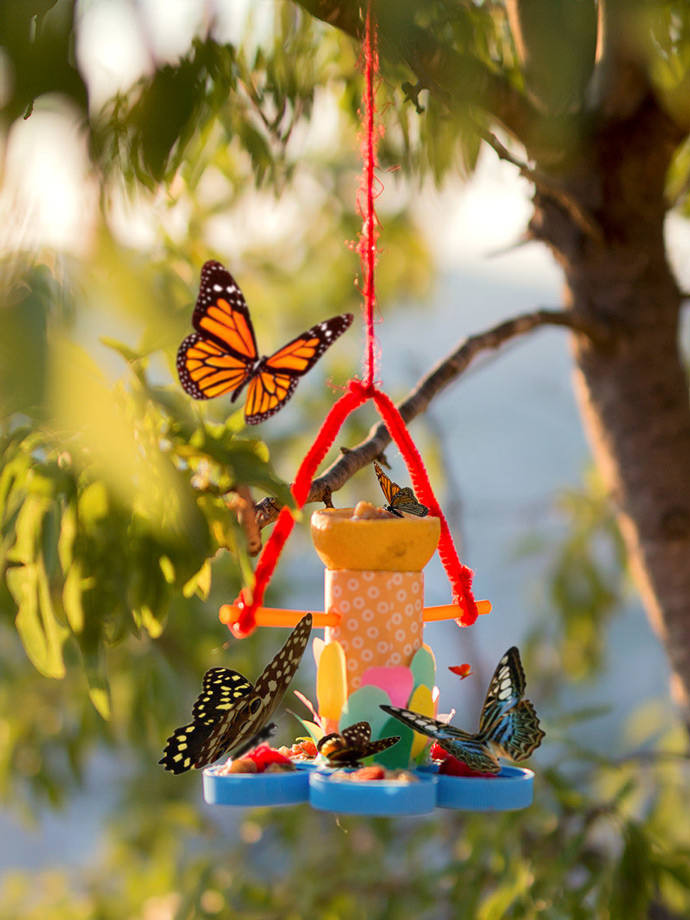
[422, 702]
[331, 681]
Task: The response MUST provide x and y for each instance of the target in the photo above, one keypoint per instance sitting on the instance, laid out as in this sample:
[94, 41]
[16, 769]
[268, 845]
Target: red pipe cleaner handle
[459, 575]
[351, 400]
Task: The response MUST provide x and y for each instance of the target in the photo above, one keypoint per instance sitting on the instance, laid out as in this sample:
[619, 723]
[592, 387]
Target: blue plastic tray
[378, 797]
[255, 789]
[509, 790]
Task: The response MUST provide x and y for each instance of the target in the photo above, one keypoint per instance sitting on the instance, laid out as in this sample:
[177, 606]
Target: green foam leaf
[423, 667]
[363, 706]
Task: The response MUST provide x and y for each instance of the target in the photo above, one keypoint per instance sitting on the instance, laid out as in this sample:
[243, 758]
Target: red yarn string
[355, 395]
[369, 234]
[459, 575]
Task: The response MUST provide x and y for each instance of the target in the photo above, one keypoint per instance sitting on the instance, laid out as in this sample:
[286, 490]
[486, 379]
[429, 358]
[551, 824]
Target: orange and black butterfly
[399, 499]
[222, 357]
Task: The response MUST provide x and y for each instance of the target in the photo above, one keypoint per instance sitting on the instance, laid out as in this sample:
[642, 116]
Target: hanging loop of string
[369, 234]
[359, 392]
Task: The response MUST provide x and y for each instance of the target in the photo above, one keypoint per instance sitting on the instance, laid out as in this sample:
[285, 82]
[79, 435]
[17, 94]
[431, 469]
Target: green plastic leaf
[396, 757]
[363, 705]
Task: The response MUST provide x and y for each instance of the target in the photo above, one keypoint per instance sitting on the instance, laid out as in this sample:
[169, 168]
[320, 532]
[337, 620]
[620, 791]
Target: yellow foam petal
[421, 701]
[331, 681]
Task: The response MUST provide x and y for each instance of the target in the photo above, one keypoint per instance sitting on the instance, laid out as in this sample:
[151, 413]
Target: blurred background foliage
[116, 543]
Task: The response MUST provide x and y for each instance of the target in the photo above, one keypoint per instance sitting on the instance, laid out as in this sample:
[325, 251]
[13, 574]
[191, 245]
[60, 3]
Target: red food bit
[364, 774]
[263, 755]
[451, 766]
[307, 748]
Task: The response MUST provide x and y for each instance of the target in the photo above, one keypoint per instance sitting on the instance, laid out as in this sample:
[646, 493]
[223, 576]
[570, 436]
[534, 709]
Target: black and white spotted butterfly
[231, 716]
[349, 747]
[508, 725]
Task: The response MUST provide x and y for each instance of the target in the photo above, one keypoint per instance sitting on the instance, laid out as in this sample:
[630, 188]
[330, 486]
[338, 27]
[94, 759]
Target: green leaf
[93, 504]
[199, 583]
[497, 904]
[96, 676]
[28, 529]
[72, 597]
[68, 534]
[39, 631]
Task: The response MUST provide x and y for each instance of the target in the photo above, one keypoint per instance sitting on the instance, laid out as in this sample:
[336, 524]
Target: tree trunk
[633, 397]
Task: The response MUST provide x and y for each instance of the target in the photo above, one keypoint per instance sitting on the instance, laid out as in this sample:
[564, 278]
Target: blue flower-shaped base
[509, 790]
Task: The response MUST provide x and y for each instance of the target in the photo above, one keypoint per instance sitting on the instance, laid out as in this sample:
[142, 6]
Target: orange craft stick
[450, 611]
[275, 616]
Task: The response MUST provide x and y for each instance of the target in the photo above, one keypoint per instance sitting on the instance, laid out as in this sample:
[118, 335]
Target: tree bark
[634, 398]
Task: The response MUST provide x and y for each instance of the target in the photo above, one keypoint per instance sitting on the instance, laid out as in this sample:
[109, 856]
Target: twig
[445, 372]
[549, 187]
[240, 501]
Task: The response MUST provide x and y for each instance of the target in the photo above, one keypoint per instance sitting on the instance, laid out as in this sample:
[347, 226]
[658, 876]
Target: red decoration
[264, 755]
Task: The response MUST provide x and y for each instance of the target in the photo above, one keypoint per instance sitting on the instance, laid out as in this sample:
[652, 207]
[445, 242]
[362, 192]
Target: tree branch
[458, 79]
[550, 188]
[445, 372]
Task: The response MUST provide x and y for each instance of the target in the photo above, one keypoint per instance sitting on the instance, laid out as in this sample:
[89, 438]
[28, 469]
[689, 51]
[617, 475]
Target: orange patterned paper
[381, 623]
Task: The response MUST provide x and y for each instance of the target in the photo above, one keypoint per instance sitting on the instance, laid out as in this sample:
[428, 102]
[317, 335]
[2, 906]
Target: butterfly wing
[509, 722]
[388, 487]
[375, 747]
[505, 691]
[206, 369]
[267, 394]
[358, 733]
[279, 374]
[470, 749]
[404, 500]
[399, 499]
[201, 741]
[518, 733]
[270, 687]
[221, 313]
[348, 748]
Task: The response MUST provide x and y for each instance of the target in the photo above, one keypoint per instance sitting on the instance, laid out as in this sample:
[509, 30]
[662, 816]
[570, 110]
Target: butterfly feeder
[375, 687]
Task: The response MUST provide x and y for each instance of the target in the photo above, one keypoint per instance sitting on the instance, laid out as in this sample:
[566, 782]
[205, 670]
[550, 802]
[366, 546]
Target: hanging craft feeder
[375, 690]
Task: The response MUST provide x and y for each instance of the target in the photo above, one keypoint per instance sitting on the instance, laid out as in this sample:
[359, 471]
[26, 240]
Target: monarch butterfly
[231, 715]
[353, 744]
[508, 725]
[399, 499]
[222, 356]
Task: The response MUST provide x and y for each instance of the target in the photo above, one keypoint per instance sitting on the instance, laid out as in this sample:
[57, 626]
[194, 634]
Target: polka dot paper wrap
[381, 618]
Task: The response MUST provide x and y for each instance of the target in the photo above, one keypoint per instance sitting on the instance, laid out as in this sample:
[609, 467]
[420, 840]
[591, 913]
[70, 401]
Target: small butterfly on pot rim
[508, 725]
[222, 355]
[350, 746]
[398, 499]
[231, 716]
